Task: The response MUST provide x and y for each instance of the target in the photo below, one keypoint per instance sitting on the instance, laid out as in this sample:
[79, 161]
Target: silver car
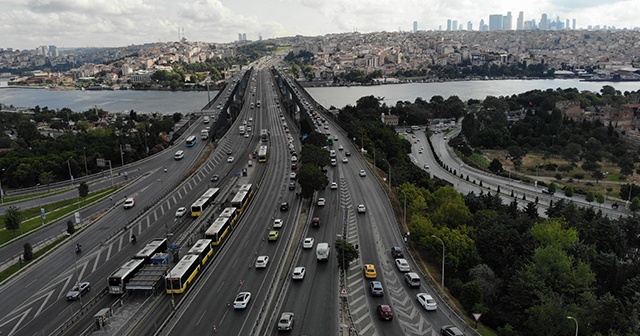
[78, 290]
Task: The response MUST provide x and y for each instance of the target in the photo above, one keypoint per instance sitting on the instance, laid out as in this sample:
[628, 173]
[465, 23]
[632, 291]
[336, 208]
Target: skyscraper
[415, 26]
[449, 25]
[566, 25]
[495, 22]
[544, 23]
[573, 24]
[454, 25]
[469, 26]
[507, 22]
[520, 23]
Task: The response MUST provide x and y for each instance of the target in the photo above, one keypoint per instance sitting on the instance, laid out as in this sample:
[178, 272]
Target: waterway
[188, 101]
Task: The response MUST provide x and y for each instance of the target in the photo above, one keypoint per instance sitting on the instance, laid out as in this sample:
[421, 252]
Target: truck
[322, 251]
[241, 129]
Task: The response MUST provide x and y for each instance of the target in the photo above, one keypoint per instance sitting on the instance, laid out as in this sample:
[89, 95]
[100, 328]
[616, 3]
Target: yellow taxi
[370, 271]
[273, 235]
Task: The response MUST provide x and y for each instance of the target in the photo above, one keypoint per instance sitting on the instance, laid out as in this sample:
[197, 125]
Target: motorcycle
[78, 248]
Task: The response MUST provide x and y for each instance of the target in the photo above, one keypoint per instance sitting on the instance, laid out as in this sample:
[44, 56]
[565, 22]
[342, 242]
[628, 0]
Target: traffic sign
[477, 316]
[343, 292]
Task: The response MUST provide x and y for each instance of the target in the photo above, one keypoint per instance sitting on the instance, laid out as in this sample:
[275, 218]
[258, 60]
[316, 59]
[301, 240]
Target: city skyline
[113, 23]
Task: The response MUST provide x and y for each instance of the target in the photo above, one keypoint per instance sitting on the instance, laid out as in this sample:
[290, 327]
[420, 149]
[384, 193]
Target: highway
[34, 301]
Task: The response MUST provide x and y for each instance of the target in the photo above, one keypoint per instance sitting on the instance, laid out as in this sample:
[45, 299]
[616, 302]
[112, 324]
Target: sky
[27, 24]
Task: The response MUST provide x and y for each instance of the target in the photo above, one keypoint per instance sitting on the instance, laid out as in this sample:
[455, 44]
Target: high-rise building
[469, 26]
[449, 25]
[544, 23]
[454, 25]
[244, 36]
[507, 22]
[495, 22]
[239, 36]
[566, 25]
[520, 23]
[573, 24]
[483, 26]
[415, 26]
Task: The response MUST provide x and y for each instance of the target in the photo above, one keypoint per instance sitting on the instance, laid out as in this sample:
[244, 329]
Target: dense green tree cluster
[38, 159]
[544, 128]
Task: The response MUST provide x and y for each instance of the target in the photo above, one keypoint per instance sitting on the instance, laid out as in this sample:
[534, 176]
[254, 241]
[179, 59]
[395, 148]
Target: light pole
[1, 190]
[69, 165]
[442, 280]
[389, 163]
[405, 206]
[574, 320]
[84, 153]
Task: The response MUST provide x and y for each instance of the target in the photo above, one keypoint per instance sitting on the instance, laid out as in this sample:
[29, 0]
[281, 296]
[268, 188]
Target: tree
[311, 179]
[12, 219]
[46, 178]
[28, 251]
[568, 191]
[552, 188]
[83, 189]
[345, 253]
[597, 175]
[635, 204]
[591, 196]
[496, 166]
[71, 229]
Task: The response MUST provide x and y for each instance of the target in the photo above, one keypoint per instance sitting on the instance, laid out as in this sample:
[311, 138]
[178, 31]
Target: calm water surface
[184, 102]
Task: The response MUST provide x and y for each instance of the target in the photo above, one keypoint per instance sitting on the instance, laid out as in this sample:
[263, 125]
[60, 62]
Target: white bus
[191, 141]
[117, 281]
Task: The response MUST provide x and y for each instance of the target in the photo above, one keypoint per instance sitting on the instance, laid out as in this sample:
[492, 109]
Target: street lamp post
[441, 241]
[69, 166]
[574, 320]
[389, 163]
[405, 206]
[1, 190]
[84, 153]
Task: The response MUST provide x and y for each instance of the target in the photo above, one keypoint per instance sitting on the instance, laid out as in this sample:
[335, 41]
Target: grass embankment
[55, 211]
[547, 169]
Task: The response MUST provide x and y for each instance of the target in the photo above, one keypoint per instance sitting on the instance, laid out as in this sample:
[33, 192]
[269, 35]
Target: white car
[262, 261]
[361, 208]
[298, 273]
[242, 300]
[277, 223]
[246, 135]
[321, 201]
[363, 173]
[78, 290]
[340, 147]
[230, 159]
[181, 211]
[293, 176]
[308, 243]
[129, 203]
[403, 265]
[345, 159]
[426, 166]
[427, 301]
[334, 185]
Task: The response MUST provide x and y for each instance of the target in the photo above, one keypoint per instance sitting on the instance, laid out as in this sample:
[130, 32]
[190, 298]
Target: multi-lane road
[34, 300]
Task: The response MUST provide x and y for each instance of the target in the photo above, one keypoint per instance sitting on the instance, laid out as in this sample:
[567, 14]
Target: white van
[179, 155]
[332, 153]
[206, 119]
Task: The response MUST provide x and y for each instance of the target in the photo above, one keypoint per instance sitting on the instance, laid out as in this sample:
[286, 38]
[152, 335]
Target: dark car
[396, 252]
[214, 178]
[384, 311]
[292, 186]
[284, 206]
[450, 330]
